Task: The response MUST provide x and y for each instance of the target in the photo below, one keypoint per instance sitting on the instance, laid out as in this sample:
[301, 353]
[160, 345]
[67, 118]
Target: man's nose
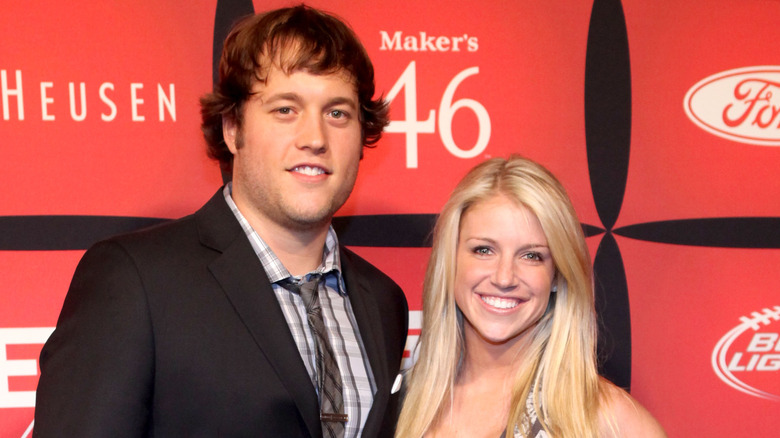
[312, 134]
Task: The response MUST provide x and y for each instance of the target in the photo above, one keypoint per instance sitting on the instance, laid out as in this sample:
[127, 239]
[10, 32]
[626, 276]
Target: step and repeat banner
[662, 119]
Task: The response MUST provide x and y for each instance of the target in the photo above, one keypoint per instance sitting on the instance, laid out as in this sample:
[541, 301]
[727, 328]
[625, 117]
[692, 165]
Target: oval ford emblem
[741, 105]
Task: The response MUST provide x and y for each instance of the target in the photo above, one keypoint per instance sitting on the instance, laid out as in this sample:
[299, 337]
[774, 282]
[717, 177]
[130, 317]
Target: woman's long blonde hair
[559, 366]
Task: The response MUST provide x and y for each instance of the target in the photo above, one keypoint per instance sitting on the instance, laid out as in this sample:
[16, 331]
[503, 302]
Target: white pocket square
[397, 384]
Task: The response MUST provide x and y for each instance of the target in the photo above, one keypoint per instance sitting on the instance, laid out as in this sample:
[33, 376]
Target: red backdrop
[698, 229]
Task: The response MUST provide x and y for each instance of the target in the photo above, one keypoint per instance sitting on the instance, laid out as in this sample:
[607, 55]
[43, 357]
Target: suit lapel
[368, 318]
[240, 273]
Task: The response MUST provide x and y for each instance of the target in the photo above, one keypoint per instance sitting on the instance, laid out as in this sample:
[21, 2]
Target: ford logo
[741, 105]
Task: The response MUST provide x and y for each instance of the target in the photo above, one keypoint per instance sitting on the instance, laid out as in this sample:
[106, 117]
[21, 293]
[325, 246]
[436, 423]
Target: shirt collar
[274, 269]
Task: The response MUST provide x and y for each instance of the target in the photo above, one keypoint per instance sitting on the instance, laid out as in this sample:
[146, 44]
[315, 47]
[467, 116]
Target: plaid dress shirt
[356, 375]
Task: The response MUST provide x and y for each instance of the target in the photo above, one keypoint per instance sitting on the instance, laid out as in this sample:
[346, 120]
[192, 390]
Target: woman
[509, 330]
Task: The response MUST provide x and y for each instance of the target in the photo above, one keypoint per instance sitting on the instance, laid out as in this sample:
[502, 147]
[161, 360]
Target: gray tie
[332, 414]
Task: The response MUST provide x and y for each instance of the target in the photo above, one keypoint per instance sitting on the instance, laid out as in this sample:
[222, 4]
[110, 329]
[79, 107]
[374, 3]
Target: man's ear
[229, 132]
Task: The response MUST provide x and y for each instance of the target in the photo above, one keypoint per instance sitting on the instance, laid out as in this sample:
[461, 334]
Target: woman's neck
[483, 360]
[479, 406]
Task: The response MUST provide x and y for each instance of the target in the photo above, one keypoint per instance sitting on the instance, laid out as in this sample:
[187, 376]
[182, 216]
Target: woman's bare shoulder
[628, 416]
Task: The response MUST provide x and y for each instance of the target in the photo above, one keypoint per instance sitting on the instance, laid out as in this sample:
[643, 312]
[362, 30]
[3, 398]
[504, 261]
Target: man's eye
[337, 114]
[283, 111]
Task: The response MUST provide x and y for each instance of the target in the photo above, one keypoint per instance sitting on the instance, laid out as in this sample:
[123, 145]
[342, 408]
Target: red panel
[683, 301]
[65, 166]
[678, 170]
[34, 285]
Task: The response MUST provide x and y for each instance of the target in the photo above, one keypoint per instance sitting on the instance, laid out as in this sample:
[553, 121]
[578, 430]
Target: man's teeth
[308, 170]
[500, 303]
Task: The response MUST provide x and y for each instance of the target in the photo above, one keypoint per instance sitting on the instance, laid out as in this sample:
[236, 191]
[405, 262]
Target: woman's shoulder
[623, 416]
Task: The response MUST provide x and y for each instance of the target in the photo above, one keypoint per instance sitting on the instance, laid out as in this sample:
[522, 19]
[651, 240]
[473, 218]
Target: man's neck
[300, 252]
[299, 249]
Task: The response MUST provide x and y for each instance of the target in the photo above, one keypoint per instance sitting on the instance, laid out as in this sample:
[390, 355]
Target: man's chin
[309, 220]
[313, 216]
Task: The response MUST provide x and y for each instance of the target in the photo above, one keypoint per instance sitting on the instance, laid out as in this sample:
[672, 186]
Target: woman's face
[504, 272]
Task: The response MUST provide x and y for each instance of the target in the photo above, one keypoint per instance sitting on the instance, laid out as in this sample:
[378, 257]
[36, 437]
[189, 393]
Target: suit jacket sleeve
[96, 368]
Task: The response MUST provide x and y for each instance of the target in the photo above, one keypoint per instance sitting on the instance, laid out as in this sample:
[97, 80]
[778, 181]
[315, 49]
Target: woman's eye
[482, 250]
[535, 256]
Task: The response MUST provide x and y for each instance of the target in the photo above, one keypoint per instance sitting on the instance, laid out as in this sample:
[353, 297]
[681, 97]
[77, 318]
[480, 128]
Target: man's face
[300, 146]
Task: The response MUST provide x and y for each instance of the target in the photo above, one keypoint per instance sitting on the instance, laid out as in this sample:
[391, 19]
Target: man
[203, 326]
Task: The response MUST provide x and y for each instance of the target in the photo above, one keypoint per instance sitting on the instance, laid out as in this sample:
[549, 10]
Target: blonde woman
[509, 330]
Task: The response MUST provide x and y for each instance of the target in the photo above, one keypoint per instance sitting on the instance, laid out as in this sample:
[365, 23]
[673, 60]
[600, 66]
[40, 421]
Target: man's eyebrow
[343, 101]
[291, 96]
[295, 97]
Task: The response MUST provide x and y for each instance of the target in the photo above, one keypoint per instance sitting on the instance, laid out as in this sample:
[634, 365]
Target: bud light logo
[747, 358]
[741, 105]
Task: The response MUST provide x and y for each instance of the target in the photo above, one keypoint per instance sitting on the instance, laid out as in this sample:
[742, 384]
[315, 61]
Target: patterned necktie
[332, 414]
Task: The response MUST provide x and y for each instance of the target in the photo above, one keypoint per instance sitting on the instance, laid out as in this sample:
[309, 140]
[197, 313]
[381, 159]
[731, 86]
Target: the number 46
[447, 108]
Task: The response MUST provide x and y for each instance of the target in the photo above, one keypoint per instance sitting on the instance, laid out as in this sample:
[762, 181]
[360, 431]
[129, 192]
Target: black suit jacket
[175, 331]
